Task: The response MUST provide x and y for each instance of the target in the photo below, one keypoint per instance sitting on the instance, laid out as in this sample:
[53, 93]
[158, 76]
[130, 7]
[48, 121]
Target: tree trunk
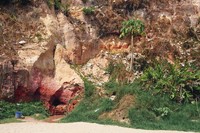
[131, 64]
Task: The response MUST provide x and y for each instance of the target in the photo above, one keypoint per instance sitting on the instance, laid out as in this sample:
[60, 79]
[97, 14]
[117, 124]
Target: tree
[133, 28]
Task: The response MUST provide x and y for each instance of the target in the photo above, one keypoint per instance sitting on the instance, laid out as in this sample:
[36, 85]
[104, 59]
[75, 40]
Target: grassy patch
[9, 120]
[151, 111]
[160, 112]
[39, 116]
[7, 110]
[91, 107]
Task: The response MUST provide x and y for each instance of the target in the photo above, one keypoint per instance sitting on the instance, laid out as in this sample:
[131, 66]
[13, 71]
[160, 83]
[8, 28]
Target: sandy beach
[78, 127]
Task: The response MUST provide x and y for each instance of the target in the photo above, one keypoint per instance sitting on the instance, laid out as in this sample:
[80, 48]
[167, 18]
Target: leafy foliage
[162, 112]
[132, 27]
[180, 82]
[7, 110]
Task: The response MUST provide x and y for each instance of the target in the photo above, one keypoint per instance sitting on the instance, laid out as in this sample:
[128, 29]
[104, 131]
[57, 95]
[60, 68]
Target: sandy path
[79, 127]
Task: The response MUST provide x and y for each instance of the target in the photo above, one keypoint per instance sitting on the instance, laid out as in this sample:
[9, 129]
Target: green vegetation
[117, 72]
[88, 10]
[181, 83]
[39, 116]
[152, 109]
[91, 107]
[7, 110]
[169, 100]
[58, 6]
[133, 28]
[9, 120]
[160, 112]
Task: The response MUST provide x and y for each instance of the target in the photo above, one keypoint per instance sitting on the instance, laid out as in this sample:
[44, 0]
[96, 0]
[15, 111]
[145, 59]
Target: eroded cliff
[41, 45]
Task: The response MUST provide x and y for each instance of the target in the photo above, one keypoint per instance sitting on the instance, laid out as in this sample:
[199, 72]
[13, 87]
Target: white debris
[22, 42]
[112, 97]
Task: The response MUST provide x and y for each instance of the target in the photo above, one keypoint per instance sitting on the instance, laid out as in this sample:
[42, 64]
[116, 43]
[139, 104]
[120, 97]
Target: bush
[181, 83]
[58, 6]
[88, 10]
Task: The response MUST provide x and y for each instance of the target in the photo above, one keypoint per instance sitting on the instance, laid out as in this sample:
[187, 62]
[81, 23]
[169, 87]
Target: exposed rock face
[13, 82]
[40, 69]
[170, 24]
[54, 82]
[94, 70]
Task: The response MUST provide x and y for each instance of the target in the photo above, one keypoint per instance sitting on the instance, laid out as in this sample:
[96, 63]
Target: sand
[78, 127]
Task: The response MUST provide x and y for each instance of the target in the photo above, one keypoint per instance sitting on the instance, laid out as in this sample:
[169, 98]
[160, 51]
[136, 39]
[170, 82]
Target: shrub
[88, 10]
[58, 6]
[181, 83]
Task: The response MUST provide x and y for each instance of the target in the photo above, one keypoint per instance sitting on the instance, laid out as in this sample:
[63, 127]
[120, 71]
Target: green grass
[39, 116]
[7, 109]
[151, 111]
[90, 108]
[156, 112]
[9, 120]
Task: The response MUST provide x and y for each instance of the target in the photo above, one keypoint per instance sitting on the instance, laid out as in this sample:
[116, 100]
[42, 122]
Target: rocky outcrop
[40, 69]
[54, 82]
[95, 70]
[13, 82]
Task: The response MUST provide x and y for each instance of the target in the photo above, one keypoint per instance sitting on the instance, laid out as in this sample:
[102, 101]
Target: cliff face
[39, 43]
